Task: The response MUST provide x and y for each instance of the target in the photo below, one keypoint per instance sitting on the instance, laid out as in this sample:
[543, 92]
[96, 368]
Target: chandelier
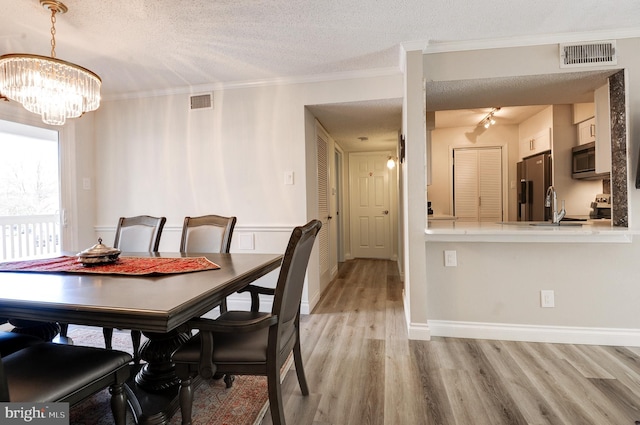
[53, 88]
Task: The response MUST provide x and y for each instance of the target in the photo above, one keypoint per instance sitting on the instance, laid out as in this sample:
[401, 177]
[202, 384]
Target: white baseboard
[419, 331]
[533, 333]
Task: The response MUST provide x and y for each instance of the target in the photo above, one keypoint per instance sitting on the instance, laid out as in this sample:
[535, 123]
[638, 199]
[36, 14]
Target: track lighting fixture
[489, 120]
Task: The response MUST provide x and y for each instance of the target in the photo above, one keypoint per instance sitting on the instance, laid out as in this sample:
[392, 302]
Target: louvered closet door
[490, 185]
[477, 180]
[465, 184]
[322, 142]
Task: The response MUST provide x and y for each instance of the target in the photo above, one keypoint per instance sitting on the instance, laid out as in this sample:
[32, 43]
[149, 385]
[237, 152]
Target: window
[29, 191]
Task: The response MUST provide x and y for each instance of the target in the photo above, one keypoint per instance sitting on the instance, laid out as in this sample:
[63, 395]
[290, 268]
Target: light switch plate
[450, 259]
[288, 177]
[547, 298]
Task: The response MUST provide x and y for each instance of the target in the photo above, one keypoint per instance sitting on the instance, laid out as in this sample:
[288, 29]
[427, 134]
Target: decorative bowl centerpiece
[98, 254]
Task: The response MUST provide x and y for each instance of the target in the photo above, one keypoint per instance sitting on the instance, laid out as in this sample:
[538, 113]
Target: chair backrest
[207, 233]
[286, 303]
[139, 234]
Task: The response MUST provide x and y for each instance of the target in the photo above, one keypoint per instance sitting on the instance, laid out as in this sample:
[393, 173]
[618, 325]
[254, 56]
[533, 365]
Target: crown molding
[454, 46]
[305, 79]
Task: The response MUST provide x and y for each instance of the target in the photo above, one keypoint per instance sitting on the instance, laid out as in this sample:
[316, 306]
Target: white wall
[414, 206]
[495, 292]
[155, 157]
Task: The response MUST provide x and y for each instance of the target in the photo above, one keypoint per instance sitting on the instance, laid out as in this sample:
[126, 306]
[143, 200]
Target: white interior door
[370, 222]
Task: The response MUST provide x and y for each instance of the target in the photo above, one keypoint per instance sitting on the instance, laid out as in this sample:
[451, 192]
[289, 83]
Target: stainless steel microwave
[584, 162]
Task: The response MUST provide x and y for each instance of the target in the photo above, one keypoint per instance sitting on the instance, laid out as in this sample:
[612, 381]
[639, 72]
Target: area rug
[245, 403]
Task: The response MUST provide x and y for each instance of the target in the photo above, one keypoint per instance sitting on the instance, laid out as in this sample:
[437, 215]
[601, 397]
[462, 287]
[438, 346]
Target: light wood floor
[362, 369]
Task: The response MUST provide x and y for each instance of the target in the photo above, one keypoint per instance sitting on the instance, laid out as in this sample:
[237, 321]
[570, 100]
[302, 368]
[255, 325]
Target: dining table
[158, 303]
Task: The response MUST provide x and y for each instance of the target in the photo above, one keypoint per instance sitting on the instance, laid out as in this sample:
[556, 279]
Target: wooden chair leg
[186, 400]
[108, 337]
[228, 380]
[136, 337]
[275, 397]
[302, 379]
[118, 404]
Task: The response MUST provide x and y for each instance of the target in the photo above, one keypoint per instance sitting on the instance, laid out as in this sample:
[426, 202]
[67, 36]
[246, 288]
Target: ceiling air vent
[588, 54]
[201, 101]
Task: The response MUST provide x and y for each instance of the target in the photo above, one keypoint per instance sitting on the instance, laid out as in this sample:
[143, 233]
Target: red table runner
[124, 265]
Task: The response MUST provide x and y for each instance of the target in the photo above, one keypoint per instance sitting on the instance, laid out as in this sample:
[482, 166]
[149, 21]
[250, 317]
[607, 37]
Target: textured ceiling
[159, 45]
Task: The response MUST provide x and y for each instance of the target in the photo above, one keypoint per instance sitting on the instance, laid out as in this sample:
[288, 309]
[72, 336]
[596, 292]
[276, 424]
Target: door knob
[385, 212]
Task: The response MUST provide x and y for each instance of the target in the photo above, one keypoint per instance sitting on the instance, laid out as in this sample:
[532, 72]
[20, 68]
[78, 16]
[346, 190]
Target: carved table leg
[153, 391]
[159, 373]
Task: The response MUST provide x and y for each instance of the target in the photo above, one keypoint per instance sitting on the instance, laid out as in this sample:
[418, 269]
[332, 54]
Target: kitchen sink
[544, 223]
[573, 219]
[562, 223]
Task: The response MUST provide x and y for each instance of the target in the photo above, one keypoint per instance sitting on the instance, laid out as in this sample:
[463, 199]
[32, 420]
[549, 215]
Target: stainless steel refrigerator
[534, 177]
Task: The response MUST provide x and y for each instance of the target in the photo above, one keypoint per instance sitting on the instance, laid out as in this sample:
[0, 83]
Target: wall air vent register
[588, 54]
[201, 101]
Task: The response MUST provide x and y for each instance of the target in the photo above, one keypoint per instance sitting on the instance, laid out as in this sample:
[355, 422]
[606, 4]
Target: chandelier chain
[53, 32]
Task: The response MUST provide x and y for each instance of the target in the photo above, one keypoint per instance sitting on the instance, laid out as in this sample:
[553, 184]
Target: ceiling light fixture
[488, 121]
[53, 88]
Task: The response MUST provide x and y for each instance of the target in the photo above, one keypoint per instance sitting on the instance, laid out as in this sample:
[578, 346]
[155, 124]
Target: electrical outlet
[547, 298]
[450, 259]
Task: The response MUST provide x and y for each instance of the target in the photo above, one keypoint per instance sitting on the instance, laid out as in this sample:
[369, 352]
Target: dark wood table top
[157, 303]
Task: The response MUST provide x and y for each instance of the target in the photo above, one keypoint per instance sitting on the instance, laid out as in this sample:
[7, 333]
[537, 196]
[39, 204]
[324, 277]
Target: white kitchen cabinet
[535, 144]
[587, 131]
[603, 129]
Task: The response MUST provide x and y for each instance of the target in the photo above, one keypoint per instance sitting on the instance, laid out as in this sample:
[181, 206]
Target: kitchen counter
[590, 231]
[441, 217]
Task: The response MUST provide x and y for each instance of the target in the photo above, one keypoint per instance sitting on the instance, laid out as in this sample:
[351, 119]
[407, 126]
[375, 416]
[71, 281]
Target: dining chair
[133, 234]
[252, 343]
[10, 342]
[208, 234]
[49, 372]
[136, 234]
[139, 234]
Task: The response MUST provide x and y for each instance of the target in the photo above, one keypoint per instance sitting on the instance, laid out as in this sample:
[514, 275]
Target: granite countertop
[441, 217]
[517, 231]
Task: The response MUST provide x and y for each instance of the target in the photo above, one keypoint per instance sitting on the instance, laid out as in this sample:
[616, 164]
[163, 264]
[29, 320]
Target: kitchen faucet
[557, 216]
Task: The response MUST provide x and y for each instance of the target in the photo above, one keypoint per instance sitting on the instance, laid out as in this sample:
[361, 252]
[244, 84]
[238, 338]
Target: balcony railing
[22, 237]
